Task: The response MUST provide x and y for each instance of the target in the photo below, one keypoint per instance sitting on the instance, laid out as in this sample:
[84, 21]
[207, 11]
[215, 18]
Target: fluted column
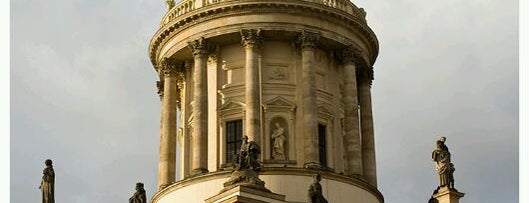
[353, 150]
[366, 120]
[167, 162]
[251, 40]
[200, 104]
[308, 43]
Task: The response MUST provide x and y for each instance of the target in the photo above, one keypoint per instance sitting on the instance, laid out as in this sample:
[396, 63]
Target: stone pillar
[308, 43]
[251, 40]
[446, 195]
[353, 150]
[366, 120]
[167, 163]
[199, 141]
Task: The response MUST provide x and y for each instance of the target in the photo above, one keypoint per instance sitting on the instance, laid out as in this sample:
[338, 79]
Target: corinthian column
[353, 151]
[251, 40]
[167, 163]
[308, 42]
[200, 112]
[366, 120]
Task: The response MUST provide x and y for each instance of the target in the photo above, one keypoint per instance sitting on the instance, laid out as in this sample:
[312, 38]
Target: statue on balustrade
[316, 192]
[47, 184]
[441, 156]
[138, 196]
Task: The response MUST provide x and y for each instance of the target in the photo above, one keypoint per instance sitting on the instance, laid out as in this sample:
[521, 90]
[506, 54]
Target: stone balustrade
[186, 6]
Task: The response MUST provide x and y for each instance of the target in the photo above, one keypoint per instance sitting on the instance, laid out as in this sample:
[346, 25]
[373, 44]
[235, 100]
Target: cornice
[226, 9]
[356, 181]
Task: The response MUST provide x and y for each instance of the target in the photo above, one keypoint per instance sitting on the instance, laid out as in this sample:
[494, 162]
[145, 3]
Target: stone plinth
[243, 194]
[446, 195]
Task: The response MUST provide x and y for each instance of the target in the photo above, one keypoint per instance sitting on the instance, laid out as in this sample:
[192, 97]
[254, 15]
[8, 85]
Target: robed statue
[138, 196]
[278, 135]
[47, 184]
[315, 191]
[443, 165]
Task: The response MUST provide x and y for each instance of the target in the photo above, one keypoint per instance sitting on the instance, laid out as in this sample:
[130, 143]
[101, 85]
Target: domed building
[292, 76]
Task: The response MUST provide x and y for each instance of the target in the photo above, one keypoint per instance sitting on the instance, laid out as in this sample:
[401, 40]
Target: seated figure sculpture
[246, 167]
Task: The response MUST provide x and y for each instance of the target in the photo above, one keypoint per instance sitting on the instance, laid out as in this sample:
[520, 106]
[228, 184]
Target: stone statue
[443, 165]
[248, 157]
[279, 140]
[246, 167]
[315, 191]
[138, 196]
[170, 4]
[47, 185]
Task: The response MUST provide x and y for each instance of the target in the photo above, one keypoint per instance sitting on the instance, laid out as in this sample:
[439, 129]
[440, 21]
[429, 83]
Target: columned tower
[294, 76]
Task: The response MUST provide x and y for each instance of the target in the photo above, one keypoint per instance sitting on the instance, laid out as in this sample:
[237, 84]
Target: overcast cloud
[83, 93]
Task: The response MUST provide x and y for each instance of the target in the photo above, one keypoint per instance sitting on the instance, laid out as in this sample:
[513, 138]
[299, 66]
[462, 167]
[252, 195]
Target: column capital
[350, 54]
[251, 38]
[199, 47]
[159, 86]
[366, 75]
[308, 39]
[168, 68]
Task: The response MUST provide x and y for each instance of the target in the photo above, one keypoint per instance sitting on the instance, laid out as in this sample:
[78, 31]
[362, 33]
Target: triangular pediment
[279, 101]
[231, 105]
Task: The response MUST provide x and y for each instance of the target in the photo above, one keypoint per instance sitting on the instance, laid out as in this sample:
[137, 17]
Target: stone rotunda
[294, 76]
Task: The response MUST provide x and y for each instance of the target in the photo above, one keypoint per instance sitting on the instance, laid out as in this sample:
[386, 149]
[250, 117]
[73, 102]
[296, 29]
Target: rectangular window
[322, 145]
[233, 139]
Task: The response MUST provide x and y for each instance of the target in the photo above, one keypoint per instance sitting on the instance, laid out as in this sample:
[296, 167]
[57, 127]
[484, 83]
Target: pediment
[231, 105]
[279, 101]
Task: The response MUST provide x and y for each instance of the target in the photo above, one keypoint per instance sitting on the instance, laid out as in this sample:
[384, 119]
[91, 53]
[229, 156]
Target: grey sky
[83, 93]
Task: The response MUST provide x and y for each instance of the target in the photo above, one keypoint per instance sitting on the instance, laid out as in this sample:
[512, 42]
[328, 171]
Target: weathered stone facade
[291, 71]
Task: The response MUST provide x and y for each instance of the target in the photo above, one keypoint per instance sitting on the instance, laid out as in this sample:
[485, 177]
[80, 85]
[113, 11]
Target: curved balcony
[191, 17]
[186, 6]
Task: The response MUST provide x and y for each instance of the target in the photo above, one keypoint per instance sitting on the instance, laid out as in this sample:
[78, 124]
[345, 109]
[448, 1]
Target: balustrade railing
[186, 6]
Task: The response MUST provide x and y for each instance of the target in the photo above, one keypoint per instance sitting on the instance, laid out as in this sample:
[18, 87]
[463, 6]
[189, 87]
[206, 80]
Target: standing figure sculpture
[47, 184]
[315, 191]
[443, 165]
[279, 142]
[138, 196]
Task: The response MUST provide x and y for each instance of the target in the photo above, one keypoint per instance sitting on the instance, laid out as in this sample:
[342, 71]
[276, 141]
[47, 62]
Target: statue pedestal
[244, 194]
[445, 195]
